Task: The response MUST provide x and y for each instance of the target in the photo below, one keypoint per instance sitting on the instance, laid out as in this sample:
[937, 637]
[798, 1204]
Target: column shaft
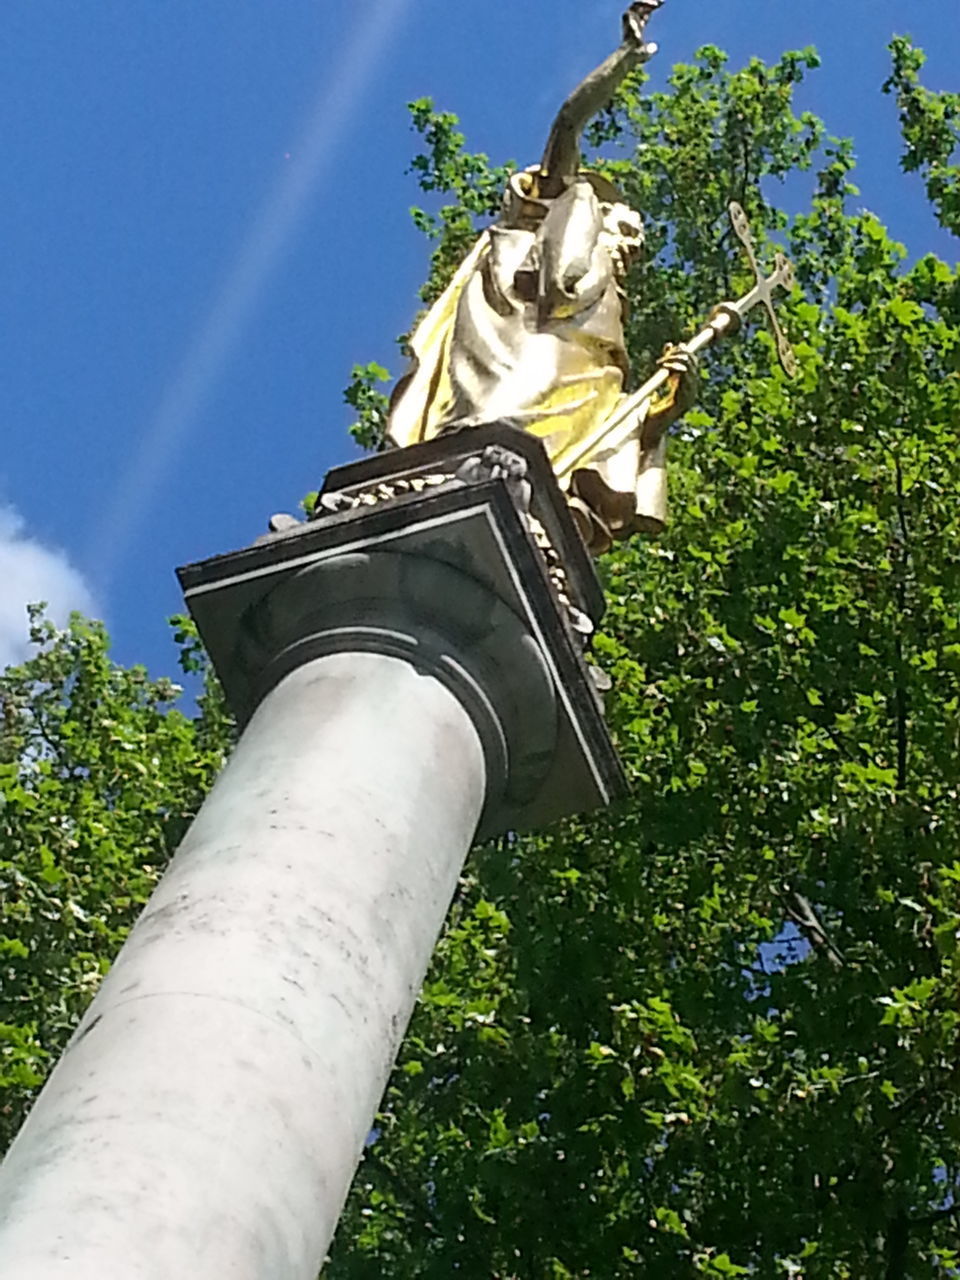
[207, 1119]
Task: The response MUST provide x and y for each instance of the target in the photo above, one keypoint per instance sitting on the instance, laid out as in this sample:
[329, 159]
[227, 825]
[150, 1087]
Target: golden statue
[530, 329]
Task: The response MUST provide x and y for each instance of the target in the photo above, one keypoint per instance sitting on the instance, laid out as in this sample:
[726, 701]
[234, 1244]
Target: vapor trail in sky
[235, 301]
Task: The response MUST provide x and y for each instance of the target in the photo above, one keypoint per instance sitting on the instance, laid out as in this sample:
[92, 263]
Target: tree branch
[901, 701]
[897, 1247]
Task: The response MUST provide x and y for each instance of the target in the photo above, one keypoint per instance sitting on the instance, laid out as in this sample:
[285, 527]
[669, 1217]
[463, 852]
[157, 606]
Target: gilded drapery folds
[530, 331]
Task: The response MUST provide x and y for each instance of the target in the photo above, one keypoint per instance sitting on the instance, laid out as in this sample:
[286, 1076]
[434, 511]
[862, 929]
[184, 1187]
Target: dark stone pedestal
[461, 556]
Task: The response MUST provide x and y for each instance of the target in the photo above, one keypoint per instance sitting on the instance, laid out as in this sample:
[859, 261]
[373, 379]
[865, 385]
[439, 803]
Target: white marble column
[208, 1117]
[411, 669]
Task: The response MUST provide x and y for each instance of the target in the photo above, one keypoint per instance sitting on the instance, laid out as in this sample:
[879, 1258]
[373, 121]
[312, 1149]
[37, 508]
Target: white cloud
[29, 572]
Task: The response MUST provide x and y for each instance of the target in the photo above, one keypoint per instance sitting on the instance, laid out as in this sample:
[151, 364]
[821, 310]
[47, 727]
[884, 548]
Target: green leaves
[930, 123]
[371, 404]
[99, 777]
[447, 168]
[623, 1063]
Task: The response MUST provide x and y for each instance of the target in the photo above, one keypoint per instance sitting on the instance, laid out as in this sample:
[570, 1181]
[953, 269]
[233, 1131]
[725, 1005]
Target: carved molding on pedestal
[461, 556]
[491, 462]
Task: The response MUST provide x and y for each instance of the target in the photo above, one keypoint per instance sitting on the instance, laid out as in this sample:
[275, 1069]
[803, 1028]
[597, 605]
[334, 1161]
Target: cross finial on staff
[762, 291]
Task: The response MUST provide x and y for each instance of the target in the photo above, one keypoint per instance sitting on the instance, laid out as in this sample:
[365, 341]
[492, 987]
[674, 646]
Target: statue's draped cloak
[485, 352]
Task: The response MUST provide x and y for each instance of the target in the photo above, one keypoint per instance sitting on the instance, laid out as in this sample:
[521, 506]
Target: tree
[99, 778]
[712, 1031]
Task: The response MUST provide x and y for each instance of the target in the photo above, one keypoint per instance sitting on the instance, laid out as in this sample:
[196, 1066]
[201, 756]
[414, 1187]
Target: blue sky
[203, 225]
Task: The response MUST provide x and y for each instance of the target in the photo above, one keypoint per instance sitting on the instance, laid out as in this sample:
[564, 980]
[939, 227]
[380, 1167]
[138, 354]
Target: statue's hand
[634, 25]
[684, 369]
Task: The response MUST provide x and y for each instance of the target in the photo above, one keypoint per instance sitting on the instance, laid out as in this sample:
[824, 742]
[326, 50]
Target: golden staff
[725, 319]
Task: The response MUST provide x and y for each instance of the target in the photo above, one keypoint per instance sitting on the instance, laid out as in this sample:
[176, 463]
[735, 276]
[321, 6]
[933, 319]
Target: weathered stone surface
[207, 1119]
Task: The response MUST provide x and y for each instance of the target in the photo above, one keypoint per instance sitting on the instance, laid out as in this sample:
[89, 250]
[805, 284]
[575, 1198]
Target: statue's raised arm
[529, 331]
[561, 157]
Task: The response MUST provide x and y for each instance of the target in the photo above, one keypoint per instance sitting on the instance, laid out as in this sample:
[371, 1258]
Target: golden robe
[530, 331]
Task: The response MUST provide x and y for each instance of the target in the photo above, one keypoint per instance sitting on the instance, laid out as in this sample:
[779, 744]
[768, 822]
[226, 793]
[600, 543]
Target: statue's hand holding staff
[684, 367]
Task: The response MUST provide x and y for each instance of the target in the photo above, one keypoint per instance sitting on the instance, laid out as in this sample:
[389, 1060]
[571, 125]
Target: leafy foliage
[447, 168]
[621, 1064]
[931, 131]
[99, 779]
[714, 1031]
[371, 404]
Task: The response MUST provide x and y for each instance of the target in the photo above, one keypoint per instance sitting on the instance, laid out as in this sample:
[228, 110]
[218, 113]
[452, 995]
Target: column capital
[461, 557]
